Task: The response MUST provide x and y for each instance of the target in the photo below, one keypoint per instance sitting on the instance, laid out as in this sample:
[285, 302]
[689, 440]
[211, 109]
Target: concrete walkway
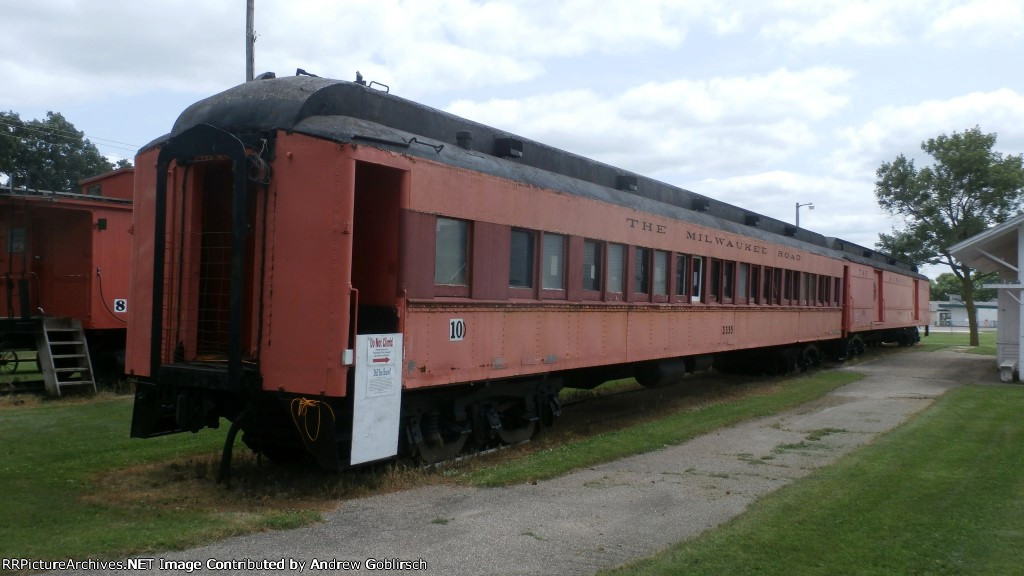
[612, 513]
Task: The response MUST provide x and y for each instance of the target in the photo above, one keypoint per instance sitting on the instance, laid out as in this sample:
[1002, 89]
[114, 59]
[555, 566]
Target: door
[378, 192]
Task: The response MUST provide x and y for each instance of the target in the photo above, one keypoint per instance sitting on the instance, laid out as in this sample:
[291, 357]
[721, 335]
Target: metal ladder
[64, 355]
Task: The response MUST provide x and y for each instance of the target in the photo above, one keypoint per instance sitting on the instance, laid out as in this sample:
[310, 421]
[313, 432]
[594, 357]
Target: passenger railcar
[344, 273]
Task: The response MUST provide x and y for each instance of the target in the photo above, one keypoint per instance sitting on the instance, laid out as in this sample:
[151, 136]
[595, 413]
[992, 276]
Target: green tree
[967, 189]
[48, 154]
[947, 284]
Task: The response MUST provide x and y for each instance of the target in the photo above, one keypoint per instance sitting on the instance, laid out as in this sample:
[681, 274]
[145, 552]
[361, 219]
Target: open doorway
[378, 191]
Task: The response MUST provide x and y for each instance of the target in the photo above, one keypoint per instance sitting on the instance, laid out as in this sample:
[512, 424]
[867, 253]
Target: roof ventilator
[464, 139]
[508, 147]
[701, 204]
[626, 182]
[790, 230]
[752, 220]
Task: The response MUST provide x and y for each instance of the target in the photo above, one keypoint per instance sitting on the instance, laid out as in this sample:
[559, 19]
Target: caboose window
[553, 263]
[591, 265]
[520, 260]
[642, 271]
[450, 254]
[616, 263]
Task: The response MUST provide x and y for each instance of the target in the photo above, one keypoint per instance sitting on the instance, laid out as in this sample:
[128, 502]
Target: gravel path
[606, 515]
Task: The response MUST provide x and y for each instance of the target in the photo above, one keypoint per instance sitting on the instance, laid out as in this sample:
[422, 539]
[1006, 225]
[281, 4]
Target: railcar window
[450, 252]
[837, 284]
[553, 262]
[823, 289]
[642, 271]
[591, 265]
[728, 280]
[742, 277]
[715, 293]
[777, 274]
[660, 273]
[520, 260]
[616, 263]
[697, 278]
[755, 283]
[810, 295]
[681, 275]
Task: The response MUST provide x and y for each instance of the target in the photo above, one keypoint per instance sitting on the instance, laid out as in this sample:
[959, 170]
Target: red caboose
[64, 276]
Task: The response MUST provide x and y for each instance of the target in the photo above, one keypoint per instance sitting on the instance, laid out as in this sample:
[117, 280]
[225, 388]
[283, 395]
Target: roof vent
[892, 261]
[464, 138]
[701, 204]
[752, 220]
[790, 230]
[866, 253]
[508, 147]
[626, 182]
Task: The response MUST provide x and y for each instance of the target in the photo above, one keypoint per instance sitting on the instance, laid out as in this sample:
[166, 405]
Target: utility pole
[250, 38]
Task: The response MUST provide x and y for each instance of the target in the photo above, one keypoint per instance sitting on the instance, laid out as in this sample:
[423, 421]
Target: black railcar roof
[343, 111]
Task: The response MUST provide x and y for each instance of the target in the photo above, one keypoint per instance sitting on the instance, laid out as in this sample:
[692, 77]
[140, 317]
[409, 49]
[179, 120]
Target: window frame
[552, 293]
[455, 290]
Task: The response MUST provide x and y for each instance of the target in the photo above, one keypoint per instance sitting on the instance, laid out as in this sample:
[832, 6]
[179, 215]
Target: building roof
[994, 250]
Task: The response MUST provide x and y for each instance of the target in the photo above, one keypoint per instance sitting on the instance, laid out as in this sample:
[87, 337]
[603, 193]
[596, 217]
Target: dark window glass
[591, 265]
[520, 260]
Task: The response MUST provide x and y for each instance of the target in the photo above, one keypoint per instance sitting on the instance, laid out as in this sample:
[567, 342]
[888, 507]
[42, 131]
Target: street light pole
[810, 206]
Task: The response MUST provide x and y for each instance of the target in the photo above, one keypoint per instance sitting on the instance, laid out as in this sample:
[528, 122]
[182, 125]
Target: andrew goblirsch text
[213, 565]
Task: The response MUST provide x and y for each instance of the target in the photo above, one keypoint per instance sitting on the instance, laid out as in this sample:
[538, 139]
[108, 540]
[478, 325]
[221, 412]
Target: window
[616, 264]
[755, 283]
[681, 275]
[837, 291]
[660, 273]
[450, 254]
[728, 277]
[742, 292]
[520, 259]
[553, 262]
[591, 265]
[715, 294]
[697, 278]
[642, 271]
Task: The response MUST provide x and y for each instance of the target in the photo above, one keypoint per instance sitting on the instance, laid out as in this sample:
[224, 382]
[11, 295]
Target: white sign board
[378, 397]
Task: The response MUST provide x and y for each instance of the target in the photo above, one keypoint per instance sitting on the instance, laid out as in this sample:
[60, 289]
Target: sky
[763, 104]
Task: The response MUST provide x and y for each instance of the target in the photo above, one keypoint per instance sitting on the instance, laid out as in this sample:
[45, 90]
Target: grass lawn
[54, 459]
[939, 339]
[943, 494]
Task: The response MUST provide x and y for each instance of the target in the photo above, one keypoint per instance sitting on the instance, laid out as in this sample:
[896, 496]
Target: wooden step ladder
[64, 355]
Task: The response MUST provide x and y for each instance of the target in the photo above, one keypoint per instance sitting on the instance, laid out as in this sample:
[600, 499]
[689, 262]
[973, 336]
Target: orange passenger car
[291, 231]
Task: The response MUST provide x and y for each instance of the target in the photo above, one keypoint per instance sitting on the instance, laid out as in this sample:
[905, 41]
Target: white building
[953, 312]
[1000, 249]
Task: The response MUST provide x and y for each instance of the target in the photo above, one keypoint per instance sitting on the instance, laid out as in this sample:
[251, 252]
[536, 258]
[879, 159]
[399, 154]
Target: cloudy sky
[759, 103]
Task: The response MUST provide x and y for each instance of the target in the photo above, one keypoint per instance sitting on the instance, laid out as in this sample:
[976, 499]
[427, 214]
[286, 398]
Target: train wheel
[518, 434]
[810, 356]
[8, 359]
[433, 441]
[857, 346]
[433, 452]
